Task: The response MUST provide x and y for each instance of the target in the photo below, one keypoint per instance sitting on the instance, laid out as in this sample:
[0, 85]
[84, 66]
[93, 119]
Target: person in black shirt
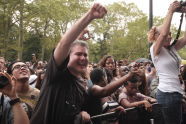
[63, 93]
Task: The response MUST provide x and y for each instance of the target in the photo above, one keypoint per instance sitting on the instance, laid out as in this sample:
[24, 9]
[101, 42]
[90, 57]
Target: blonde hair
[151, 34]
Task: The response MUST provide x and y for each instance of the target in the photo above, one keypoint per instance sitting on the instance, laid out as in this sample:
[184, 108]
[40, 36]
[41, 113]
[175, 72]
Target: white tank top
[167, 64]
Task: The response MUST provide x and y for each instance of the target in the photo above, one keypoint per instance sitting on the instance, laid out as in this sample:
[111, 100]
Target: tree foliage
[35, 26]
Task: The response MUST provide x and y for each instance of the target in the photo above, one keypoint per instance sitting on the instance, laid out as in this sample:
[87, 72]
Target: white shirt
[167, 69]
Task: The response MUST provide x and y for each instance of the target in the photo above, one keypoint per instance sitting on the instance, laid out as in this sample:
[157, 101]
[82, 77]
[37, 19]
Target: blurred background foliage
[35, 26]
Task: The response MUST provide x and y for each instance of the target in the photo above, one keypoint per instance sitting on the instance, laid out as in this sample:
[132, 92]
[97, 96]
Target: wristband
[14, 101]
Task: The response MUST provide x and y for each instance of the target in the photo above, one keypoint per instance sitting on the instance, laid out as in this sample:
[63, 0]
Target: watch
[14, 101]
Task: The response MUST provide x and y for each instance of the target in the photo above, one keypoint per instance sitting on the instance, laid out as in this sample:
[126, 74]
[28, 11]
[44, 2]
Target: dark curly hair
[102, 63]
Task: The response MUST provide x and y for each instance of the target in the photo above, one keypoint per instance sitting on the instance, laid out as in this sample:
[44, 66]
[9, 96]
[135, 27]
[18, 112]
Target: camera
[4, 80]
[182, 3]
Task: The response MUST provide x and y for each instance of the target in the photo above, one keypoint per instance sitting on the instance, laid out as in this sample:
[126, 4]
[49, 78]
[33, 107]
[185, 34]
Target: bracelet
[14, 101]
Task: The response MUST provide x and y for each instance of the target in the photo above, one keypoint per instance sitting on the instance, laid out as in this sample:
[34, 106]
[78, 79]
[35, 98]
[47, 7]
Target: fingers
[6, 90]
[85, 117]
[6, 84]
[82, 35]
[148, 106]
[98, 11]
[13, 81]
[175, 6]
[149, 109]
[120, 109]
[9, 89]
[99, 7]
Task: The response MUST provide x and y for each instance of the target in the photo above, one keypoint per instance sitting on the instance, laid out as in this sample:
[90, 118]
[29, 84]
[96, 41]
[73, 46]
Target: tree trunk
[20, 41]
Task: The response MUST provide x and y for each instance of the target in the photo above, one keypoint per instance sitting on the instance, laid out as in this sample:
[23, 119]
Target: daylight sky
[160, 8]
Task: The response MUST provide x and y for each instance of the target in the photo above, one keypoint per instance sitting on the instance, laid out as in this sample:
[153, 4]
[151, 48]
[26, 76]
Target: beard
[23, 79]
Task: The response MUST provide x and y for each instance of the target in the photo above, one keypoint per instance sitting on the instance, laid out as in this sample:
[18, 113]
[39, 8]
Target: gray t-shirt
[6, 115]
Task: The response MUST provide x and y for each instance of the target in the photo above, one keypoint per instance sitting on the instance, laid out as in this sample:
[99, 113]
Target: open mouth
[83, 64]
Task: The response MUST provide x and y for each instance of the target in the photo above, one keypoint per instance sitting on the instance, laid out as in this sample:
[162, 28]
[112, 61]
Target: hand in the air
[97, 11]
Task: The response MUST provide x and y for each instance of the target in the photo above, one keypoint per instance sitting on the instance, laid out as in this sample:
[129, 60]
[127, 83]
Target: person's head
[40, 78]
[125, 62]
[40, 65]
[132, 85]
[123, 70]
[33, 56]
[19, 70]
[120, 63]
[154, 33]
[32, 71]
[98, 76]
[89, 67]
[108, 62]
[28, 63]
[78, 58]
[2, 64]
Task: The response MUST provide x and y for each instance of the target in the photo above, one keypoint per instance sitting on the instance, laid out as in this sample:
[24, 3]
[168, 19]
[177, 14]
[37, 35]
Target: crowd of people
[71, 90]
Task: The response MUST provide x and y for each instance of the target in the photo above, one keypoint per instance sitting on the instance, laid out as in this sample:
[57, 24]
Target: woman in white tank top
[167, 63]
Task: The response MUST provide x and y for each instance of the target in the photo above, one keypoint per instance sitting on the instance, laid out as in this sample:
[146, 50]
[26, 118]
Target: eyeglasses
[19, 67]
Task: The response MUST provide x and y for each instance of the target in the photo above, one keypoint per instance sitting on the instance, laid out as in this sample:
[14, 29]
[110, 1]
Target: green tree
[51, 18]
[8, 32]
[112, 32]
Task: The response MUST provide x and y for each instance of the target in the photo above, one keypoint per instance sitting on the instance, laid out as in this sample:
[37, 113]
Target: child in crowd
[130, 97]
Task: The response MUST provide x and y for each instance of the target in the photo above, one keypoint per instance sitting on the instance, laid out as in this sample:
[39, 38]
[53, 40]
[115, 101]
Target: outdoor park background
[35, 26]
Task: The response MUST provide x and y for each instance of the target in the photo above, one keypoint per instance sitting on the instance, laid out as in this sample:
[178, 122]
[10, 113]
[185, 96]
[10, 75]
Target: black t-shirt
[62, 96]
[94, 106]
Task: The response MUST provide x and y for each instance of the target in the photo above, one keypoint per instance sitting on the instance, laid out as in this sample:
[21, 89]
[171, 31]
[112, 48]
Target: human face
[110, 64]
[20, 71]
[42, 76]
[28, 64]
[132, 88]
[89, 68]
[78, 60]
[123, 70]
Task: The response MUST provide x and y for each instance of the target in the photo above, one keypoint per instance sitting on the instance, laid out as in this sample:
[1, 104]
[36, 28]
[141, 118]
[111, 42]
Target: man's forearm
[19, 115]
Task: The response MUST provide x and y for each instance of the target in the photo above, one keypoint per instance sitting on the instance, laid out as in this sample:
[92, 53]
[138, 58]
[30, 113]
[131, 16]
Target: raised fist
[97, 11]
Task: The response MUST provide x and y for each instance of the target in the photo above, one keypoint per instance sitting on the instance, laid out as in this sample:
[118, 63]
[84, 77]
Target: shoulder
[94, 89]
[122, 95]
[34, 91]
[62, 65]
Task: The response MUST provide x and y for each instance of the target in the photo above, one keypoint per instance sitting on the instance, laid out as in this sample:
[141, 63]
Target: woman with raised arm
[167, 63]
